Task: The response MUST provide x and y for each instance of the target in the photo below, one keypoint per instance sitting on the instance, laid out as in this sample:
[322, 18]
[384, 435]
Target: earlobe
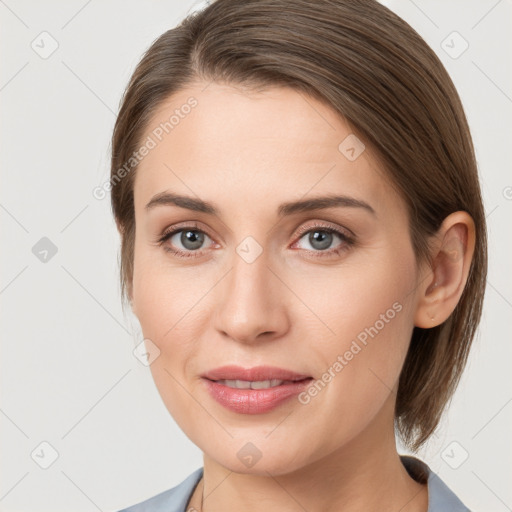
[442, 286]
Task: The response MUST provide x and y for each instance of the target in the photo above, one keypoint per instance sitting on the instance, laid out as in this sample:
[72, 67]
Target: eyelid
[323, 224]
[182, 226]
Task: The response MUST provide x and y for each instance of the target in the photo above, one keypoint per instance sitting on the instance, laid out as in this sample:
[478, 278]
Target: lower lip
[254, 401]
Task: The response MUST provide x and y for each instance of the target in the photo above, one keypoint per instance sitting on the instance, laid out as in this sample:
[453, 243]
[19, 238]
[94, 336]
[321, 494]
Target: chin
[257, 455]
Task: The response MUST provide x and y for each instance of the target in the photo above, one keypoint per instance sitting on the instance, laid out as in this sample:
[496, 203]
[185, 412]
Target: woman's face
[327, 293]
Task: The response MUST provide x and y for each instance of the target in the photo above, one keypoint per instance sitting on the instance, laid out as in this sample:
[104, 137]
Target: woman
[304, 246]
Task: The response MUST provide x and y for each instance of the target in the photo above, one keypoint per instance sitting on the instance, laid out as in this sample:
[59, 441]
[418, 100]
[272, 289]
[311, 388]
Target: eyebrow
[289, 208]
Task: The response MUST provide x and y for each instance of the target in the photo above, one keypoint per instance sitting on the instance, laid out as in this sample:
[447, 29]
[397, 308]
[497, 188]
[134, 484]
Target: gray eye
[190, 239]
[319, 239]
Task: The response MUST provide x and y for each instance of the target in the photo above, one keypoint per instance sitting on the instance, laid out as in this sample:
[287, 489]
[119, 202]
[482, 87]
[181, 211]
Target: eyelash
[348, 241]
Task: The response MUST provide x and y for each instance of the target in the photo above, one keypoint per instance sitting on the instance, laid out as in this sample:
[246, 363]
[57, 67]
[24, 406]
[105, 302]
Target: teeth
[239, 384]
[263, 384]
[257, 384]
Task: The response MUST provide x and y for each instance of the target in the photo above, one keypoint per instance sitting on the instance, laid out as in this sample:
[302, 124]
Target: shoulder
[440, 497]
[171, 500]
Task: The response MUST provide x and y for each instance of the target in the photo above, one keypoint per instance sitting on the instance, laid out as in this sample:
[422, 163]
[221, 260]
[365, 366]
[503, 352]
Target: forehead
[214, 140]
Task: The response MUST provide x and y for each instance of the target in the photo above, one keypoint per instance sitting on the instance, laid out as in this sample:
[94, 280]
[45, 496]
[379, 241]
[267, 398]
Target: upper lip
[256, 373]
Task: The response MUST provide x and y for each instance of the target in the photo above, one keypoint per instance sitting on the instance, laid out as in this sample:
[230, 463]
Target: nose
[252, 302]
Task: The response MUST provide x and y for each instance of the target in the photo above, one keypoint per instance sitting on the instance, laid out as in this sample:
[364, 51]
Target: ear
[441, 285]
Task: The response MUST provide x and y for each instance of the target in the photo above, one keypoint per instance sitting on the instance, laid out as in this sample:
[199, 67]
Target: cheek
[361, 375]
[167, 304]
[162, 297]
[366, 297]
[173, 306]
[369, 311]
[164, 305]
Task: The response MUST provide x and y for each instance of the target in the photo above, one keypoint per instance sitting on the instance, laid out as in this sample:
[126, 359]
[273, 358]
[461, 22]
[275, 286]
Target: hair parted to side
[370, 66]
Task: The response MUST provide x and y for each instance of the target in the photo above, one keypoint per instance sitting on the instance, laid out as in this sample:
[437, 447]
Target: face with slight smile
[328, 294]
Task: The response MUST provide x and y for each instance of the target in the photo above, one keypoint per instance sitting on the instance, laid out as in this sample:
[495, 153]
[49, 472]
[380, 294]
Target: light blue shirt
[440, 497]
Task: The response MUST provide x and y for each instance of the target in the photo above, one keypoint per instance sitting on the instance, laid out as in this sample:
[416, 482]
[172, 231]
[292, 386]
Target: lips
[257, 373]
[253, 390]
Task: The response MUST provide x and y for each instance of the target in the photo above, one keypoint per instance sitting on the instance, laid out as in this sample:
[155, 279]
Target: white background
[68, 376]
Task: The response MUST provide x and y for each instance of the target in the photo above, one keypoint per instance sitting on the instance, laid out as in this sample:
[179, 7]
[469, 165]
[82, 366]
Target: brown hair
[380, 75]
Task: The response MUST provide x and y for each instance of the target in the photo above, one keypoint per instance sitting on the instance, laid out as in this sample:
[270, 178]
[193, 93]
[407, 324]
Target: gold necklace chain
[202, 493]
[191, 508]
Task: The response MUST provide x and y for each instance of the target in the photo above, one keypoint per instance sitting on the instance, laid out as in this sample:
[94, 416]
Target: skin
[247, 153]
